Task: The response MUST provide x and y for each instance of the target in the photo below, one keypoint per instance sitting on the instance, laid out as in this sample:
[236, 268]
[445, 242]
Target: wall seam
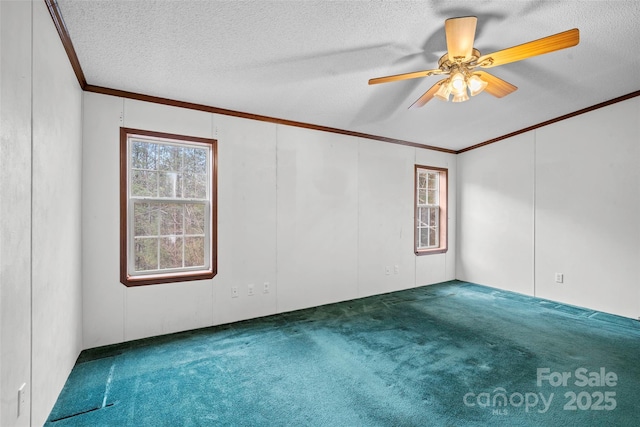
[82, 316]
[277, 222]
[358, 221]
[413, 216]
[31, 187]
[214, 135]
[533, 239]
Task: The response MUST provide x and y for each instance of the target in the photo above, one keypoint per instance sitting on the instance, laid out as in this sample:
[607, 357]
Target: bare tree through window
[169, 186]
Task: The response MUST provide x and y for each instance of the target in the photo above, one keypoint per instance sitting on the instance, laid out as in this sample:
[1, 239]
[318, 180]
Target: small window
[167, 208]
[430, 210]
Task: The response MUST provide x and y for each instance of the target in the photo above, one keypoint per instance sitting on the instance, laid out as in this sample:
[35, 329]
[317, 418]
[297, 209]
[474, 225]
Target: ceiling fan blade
[460, 33]
[427, 96]
[405, 76]
[537, 47]
[496, 86]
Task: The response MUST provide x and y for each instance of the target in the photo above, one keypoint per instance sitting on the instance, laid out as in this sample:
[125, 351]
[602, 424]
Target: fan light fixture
[476, 85]
[444, 91]
[458, 85]
[460, 97]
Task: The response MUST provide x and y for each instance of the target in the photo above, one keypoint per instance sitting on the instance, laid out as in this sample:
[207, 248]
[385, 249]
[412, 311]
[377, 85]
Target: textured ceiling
[309, 61]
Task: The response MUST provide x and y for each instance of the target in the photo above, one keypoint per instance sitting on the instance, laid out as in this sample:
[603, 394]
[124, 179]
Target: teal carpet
[452, 354]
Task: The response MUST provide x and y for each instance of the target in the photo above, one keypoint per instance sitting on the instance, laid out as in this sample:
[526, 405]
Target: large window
[430, 210]
[167, 207]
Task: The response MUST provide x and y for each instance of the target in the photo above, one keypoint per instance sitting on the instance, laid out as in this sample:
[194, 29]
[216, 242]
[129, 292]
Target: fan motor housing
[445, 64]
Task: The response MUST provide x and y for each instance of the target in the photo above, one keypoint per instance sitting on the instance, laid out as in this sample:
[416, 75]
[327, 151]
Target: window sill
[430, 251]
[155, 279]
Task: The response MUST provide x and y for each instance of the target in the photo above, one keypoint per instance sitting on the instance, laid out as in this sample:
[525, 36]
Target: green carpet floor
[452, 354]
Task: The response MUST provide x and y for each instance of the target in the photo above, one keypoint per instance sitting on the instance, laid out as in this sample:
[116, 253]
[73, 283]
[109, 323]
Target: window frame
[180, 274]
[443, 220]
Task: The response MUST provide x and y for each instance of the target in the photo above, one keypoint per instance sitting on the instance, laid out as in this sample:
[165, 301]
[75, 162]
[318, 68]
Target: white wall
[588, 209]
[56, 217]
[15, 208]
[40, 214]
[495, 215]
[247, 209]
[316, 215]
[564, 198]
[385, 191]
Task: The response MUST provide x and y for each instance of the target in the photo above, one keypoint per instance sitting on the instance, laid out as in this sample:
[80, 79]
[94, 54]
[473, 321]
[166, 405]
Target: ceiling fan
[462, 59]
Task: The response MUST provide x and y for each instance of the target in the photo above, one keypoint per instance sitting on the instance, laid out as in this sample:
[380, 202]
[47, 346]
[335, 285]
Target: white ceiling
[309, 61]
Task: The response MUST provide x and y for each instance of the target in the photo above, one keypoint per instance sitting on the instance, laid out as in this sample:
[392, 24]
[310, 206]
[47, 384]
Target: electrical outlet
[22, 398]
[559, 278]
[265, 287]
[234, 292]
[250, 289]
[387, 270]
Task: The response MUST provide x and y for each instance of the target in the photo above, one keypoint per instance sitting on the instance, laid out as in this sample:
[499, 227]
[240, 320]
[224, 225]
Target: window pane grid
[169, 170]
[428, 220]
[427, 209]
[168, 189]
[168, 236]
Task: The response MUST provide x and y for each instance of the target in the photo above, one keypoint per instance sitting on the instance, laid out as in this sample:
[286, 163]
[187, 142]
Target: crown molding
[56, 16]
[223, 111]
[557, 119]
